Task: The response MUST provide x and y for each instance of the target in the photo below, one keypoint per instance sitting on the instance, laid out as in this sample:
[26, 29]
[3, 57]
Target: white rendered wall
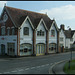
[8, 39]
[73, 37]
[68, 42]
[53, 39]
[61, 34]
[41, 39]
[26, 38]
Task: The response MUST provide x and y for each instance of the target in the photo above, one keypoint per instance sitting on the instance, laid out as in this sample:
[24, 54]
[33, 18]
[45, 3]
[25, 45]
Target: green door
[2, 49]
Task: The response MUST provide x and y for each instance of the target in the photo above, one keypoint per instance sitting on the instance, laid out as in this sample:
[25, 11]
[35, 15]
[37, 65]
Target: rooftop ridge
[25, 10]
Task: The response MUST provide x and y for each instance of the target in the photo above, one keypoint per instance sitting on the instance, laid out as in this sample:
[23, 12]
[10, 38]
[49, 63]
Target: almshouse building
[25, 32]
[66, 37]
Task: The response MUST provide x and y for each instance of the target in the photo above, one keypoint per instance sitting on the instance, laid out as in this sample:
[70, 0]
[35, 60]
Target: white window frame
[40, 33]
[52, 33]
[26, 34]
[61, 38]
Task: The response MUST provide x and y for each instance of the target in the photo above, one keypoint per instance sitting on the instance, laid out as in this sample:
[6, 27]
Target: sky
[62, 11]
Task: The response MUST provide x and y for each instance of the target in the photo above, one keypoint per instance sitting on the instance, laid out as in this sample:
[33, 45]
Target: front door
[2, 49]
[40, 49]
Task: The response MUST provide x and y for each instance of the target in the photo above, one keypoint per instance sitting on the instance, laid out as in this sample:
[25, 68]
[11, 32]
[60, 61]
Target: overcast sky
[62, 11]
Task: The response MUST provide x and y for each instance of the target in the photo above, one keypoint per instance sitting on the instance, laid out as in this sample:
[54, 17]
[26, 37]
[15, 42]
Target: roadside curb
[51, 71]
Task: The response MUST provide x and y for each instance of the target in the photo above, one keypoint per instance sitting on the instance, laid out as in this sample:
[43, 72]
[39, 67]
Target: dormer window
[26, 31]
[40, 33]
[52, 33]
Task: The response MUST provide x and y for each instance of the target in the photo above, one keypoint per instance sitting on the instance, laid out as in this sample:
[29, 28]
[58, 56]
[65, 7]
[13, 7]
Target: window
[26, 31]
[8, 31]
[71, 39]
[40, 33]
[13, 31]
[5, 17]
[25, 49]
[61, 39]
[52, 33]
[3, 30]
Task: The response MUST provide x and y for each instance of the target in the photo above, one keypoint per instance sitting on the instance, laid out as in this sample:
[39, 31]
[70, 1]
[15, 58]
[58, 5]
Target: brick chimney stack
[62, 26]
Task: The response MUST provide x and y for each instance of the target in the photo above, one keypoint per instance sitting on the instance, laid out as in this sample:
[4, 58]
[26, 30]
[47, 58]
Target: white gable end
[62, 35]
[52, 39]
[41, 27]
[26, 38]
[41, 39]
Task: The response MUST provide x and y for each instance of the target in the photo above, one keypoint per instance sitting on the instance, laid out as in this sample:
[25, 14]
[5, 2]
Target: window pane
[3, 30]
[40, 33]
[52, 33]
[8, 31]
[13, 31]
[26, 31]
[61, 39]
[37, 33]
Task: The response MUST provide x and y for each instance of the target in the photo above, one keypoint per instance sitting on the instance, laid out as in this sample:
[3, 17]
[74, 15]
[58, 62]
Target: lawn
[70, 70]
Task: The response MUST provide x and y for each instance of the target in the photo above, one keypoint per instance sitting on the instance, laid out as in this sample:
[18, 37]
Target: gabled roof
[68, 33]
[19, 15]
[54, 23]
[72, 33]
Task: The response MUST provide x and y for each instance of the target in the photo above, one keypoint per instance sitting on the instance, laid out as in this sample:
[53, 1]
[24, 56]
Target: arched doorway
[52, 47]
[2, 49]
[25, 49]
[40, 49]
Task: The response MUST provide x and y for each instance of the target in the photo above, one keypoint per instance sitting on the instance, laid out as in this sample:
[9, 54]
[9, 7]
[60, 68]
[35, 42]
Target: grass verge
[71, 69]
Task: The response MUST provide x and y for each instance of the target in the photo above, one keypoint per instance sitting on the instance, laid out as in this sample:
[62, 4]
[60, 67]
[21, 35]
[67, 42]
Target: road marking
[42, 65]
[38, 66]
[32, 67]
[13, 71]
[51, 64]
[21, 70]
[47, 64]
[27, 69]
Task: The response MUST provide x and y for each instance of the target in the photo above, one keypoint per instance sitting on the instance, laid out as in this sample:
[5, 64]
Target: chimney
[62, 26]
[70, 29]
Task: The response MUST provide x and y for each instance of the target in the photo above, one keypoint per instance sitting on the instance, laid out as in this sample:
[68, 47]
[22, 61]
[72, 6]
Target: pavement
[57, 68]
